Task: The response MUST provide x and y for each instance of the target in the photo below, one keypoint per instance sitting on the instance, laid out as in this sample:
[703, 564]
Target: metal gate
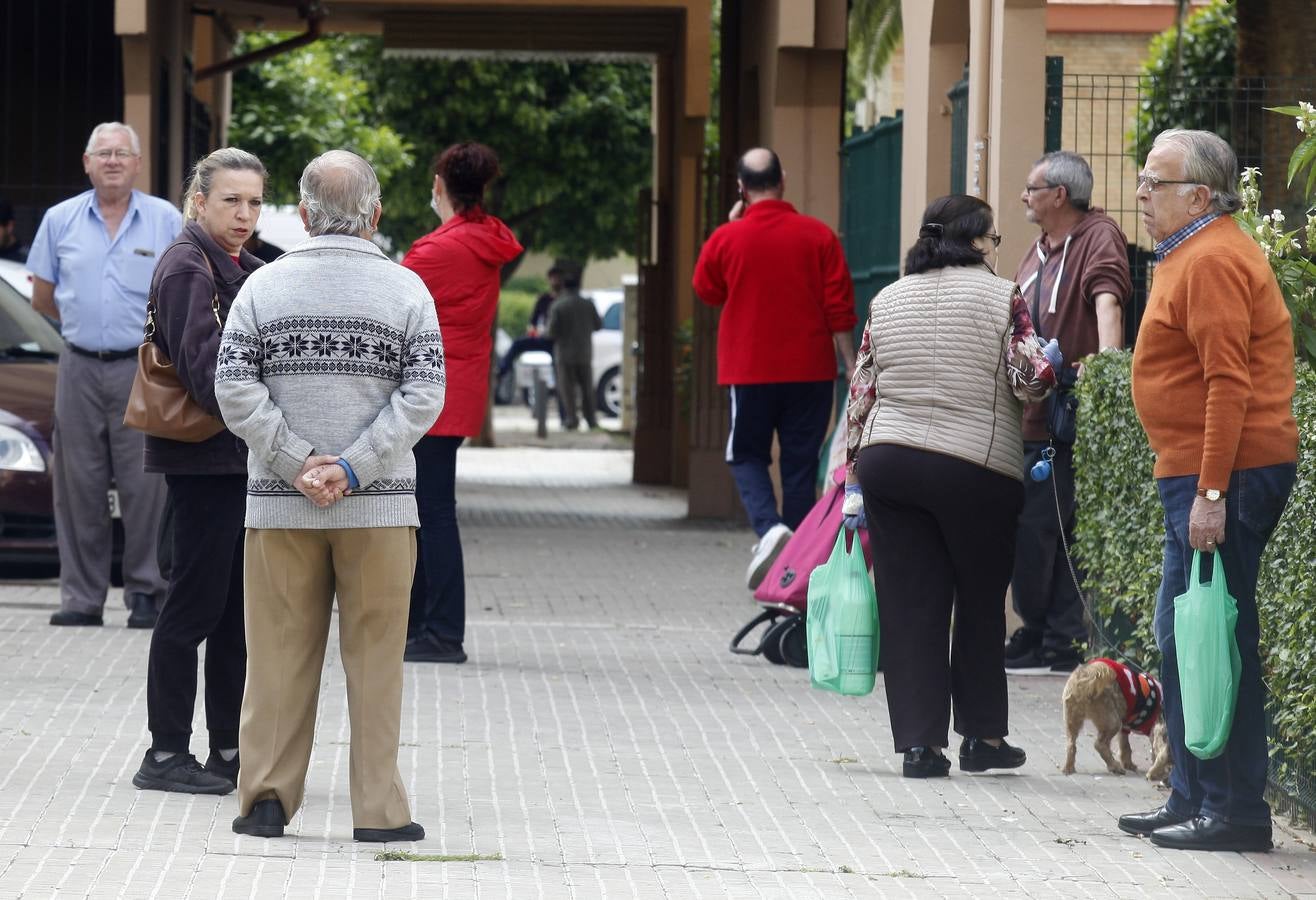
[870, 209]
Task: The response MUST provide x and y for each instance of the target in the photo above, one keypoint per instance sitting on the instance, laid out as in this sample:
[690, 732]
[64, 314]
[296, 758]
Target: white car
[19, 277]
[607, 354]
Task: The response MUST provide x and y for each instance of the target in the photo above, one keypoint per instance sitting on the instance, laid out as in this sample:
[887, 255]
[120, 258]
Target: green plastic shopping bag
[841, 622]
[1209, 666]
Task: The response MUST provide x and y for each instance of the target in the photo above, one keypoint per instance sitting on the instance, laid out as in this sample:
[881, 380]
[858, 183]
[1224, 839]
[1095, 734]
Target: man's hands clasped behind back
[322, 480]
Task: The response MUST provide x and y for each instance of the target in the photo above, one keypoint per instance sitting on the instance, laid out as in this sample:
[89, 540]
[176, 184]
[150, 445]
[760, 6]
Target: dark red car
[29, 352]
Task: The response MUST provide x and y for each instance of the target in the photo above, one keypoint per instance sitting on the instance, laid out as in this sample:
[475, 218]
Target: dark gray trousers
[574, 379]
[1043, 587]
[92, 449]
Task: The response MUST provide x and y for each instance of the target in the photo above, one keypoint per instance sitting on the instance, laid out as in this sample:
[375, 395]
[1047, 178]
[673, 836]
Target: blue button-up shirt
[101, 284]
[1164, 248]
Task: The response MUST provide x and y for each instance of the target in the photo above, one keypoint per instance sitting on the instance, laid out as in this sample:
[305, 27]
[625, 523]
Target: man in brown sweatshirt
[1213, 385]
[1075, 280]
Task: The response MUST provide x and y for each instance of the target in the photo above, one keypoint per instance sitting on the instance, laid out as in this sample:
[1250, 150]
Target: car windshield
[23, 331]
[612, 318]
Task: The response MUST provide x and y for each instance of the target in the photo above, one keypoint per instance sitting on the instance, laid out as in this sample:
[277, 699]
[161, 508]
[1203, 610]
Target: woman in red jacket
[460, 262]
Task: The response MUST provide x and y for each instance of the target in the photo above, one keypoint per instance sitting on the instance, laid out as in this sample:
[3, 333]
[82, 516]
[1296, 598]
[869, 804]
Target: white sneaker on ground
[766, 552]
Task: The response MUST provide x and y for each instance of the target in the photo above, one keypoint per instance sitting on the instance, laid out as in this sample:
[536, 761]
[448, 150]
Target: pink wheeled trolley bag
[783, 595]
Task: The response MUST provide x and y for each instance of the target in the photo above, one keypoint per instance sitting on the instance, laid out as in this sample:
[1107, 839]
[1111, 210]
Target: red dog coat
[1142, 696]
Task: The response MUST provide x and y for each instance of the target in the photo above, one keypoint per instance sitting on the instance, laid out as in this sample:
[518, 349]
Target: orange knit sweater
[1213, 365]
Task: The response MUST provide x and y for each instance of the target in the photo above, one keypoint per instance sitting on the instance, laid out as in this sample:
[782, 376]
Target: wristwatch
[1212, 494]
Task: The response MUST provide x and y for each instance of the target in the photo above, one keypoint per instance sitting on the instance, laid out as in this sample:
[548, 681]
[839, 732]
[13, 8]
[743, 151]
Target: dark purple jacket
[186, 330]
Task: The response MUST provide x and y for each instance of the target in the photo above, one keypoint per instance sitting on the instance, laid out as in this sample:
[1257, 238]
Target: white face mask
[434, 204]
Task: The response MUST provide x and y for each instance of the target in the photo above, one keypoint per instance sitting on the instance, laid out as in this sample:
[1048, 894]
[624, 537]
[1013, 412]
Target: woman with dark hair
[935, 452]
[460, 262]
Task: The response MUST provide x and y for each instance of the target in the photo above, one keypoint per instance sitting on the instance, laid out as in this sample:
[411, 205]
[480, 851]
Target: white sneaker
[766, 552]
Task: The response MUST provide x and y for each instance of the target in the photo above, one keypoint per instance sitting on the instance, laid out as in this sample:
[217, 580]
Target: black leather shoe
[265, 820]
[1146, 823]
[926, 762]
[412, 832]
[428, 648]
[976, 755]
[224, 768]
[1205, 833]
[68, 617]
[179, 774]
[141, 611]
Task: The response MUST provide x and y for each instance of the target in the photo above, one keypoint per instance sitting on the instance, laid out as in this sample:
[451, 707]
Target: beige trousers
[291, 578]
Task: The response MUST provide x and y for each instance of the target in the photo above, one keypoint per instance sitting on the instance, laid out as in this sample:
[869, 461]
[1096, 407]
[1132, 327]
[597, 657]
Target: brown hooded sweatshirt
[1060, 284]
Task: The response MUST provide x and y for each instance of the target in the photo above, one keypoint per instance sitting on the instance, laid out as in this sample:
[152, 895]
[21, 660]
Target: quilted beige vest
[939, 341]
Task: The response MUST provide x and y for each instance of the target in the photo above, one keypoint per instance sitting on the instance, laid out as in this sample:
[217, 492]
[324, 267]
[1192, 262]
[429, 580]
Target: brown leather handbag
[158, 403]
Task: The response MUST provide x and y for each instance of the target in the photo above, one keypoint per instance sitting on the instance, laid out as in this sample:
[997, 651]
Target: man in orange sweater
[1213, 385]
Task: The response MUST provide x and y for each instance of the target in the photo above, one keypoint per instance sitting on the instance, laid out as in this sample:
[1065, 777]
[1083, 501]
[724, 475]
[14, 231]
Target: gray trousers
[573, 378]
[93, 448]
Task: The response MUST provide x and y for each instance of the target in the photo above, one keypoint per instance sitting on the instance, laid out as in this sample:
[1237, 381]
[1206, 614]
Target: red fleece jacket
[782, 281]
[460, 262]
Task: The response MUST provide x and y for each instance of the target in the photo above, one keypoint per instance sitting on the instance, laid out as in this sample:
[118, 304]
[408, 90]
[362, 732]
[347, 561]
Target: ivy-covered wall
[1120, 538]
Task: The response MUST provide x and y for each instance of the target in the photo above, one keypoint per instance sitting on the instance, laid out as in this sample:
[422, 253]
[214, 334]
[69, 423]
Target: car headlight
[19, 452]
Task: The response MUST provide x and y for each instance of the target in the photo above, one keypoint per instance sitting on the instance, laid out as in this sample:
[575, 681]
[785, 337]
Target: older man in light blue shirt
[91, 265]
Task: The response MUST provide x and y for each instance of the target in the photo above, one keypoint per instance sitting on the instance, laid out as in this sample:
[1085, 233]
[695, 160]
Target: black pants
[438, 591]
[204, 603]
[1042, 585]
[943, 538]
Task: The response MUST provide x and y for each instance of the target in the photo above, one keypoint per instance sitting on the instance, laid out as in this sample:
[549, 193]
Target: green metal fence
[870, 209]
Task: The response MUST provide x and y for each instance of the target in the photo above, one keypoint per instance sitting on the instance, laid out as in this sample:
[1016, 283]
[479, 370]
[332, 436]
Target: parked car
[29, 351]
[606, 370]
[19, 278]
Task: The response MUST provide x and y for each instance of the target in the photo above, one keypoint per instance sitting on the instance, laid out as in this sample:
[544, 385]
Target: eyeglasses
[107, 155]
[1029, 188]
[1152, 182]
[994, 238]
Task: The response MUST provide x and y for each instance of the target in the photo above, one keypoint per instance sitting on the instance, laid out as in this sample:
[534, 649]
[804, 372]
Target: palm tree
[875, 33]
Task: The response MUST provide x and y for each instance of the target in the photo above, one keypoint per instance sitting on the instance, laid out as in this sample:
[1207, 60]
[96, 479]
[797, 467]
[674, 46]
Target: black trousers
[943, 539]
[1042, 586]
[204, 603]
[438, 591]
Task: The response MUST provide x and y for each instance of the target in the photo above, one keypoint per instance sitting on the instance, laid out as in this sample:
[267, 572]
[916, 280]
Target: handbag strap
[148, 333]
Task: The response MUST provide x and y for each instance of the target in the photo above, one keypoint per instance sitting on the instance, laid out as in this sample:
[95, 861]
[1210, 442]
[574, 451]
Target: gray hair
[1072, 172]
[340, 193]
[203, 176]
[1208, 160]
[106, 127]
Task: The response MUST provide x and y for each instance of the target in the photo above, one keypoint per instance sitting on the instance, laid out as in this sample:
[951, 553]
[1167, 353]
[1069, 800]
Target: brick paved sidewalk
[600, 742]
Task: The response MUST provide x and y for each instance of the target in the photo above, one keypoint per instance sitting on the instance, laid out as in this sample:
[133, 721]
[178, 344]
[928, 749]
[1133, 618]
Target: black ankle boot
[926, 762]
[976, 755]
[265, 820]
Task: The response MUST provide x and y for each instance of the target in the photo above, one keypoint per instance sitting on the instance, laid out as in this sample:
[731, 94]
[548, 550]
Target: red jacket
[460, 263]
[785, 288]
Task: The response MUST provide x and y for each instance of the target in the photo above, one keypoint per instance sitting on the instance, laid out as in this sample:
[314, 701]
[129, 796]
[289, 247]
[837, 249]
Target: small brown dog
[1117, 699]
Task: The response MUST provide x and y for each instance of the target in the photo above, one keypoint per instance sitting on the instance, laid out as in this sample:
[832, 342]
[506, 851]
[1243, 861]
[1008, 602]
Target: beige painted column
[1017, 118]
[936, 48]
[130, 23]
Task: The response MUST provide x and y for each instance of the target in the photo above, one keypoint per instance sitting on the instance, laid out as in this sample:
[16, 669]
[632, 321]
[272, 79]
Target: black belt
[102, 355]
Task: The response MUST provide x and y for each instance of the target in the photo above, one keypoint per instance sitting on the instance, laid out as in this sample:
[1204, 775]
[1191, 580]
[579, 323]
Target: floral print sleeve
[863, 394]
[1026, 368]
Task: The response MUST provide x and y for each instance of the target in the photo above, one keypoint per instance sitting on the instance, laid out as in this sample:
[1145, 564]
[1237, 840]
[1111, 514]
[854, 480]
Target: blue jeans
[1230, 786]
[798, 413]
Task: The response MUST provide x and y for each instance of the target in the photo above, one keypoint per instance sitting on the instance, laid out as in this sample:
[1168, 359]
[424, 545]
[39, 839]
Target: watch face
[1213, 494]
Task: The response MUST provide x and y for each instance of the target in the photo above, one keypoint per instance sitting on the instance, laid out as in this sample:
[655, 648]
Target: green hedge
[1120, 540]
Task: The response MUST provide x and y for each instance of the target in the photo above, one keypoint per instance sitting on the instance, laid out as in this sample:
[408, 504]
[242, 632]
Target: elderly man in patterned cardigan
[331, 368]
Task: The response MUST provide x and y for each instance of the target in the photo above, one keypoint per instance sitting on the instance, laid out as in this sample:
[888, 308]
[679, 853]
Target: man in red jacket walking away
[788, 309]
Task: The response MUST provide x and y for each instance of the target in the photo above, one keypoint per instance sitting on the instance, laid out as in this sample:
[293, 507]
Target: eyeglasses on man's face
[107, 155]
[1029, 188]
[1152, 182]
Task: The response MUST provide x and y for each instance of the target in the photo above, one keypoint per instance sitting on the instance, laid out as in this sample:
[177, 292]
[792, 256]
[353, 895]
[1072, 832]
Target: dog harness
[1142, 696]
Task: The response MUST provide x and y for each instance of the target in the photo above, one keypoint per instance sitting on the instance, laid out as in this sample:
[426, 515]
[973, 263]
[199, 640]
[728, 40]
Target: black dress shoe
[141, 611]
[179, 774]
[412, 832]
[265, 820]
[224, 768]
[68, 617]
[976, 755]
[926, 762]
[1205, 833]
[1146, 823]
[428, 648]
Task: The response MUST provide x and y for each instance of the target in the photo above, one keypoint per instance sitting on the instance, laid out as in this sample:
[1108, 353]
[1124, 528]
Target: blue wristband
[352, 481]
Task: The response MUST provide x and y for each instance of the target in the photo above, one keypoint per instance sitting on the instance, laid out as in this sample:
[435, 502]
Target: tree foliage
[1197, 94]
[876, 31]
[573, 137]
